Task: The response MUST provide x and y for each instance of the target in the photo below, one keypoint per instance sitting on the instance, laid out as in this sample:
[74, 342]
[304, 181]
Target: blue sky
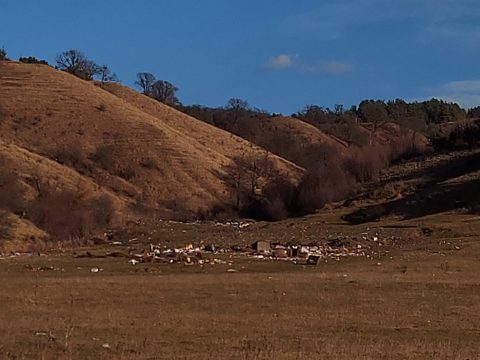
[278, 55]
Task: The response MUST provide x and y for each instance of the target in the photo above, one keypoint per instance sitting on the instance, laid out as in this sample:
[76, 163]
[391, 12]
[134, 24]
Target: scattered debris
[42, 268]
[313, 260]
[46, 268]
[335, 243]
[427, 231]
[237, 248]
[262, 246]
[310, 254]
[51, 337]
[210, 248]
[280, 253]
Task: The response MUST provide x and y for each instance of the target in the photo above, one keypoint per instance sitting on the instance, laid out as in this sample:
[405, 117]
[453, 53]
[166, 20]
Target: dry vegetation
[77, 159]
[79, 143]
[416, 297]
[422, 301]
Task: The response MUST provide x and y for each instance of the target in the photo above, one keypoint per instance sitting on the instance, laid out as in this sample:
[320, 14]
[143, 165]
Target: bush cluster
[328, 179]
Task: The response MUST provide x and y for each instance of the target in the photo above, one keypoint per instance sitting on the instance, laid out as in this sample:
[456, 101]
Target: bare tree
[236, 104]
[106, 75]
[237, 107]
[165, 92]
[3, 55]
[145, 81]
[247, 175]
[76, 63]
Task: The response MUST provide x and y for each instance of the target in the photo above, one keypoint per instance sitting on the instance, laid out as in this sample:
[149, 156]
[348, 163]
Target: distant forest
[423, 116]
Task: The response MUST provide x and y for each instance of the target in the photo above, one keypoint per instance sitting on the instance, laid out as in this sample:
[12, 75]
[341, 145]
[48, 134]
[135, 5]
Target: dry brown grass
[49, 116]
[422, 302]
[354, 311]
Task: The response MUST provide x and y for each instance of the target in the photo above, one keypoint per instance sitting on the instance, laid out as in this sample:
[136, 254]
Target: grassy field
[411, 300]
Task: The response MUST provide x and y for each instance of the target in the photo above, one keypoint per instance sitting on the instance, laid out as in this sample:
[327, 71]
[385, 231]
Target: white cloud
[337, 67]
[464, 86]
[328, 67]
[464, 92]
[286, 61]
[280, 62]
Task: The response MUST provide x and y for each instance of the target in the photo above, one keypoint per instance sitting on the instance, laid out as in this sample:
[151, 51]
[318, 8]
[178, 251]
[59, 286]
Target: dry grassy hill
[68, 134]
[292, 137]
[283, 136]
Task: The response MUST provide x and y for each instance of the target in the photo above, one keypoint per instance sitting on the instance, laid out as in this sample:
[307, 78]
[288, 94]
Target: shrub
[103, 210]
[60, 214]
[3, 55]
[32, 60]
[102, 107]
[109, 158]
[148, 163]
[3, 115]
[104, 156]
[11, 190]
[329, 182]
[462, 137]
[68, 214]
[365, 164]
[4, 224]
[72, 155]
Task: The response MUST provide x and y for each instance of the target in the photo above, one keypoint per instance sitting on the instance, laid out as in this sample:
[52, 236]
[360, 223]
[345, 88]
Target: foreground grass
[418, 304]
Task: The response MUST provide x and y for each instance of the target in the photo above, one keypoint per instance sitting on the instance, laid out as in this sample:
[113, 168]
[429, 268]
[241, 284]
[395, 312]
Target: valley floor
[417, 299]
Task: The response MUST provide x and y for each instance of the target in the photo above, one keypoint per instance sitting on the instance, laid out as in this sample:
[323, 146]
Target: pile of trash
[188, 255]
[261, 250]
[311, 253]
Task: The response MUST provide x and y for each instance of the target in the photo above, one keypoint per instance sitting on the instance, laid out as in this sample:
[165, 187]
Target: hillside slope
[287, 137]
[160, 161]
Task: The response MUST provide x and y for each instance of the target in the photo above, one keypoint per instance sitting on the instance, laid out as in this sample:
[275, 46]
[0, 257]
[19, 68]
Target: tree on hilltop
[3, 55]
[165, 92]
[32, 60]
[236, 107]
[76, 63]
[106, 75]
[160, 90]
[145, 81]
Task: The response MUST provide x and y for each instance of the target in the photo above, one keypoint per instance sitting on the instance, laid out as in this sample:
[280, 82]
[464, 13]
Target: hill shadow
[444, 170]
[433, 196]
